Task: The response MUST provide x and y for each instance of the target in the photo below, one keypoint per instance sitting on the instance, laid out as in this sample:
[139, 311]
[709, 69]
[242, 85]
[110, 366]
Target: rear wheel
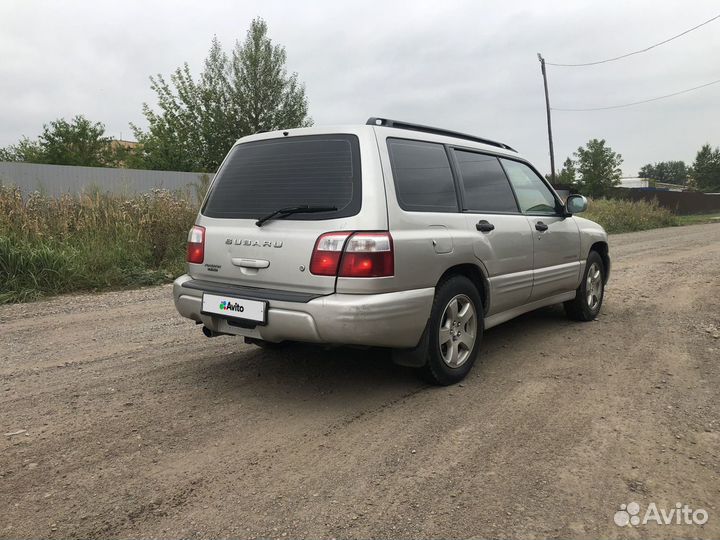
[455, 331]
[589, 295]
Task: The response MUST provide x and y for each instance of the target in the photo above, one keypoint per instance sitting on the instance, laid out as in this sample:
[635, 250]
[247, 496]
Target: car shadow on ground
[304, 371]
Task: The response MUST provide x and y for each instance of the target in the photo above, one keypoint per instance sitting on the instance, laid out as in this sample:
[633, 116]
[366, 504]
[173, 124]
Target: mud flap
[417, 356]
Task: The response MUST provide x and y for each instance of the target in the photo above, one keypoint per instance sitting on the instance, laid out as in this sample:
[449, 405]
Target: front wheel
[589, 295]
[456, 328]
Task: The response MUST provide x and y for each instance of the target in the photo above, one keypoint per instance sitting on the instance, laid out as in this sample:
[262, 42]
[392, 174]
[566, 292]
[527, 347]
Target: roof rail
[386, 122]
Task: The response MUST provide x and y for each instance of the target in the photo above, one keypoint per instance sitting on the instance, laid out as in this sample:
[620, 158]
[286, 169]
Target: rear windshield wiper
[304, 209]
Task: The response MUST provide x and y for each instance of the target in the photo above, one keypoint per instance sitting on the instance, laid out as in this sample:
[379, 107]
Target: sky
[465, 65]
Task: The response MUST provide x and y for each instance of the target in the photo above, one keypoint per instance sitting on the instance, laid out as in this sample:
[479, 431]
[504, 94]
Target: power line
[637, 102]
[637, 52]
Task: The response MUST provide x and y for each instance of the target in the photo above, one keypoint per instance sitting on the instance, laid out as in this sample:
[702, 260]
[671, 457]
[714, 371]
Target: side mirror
[576, 204]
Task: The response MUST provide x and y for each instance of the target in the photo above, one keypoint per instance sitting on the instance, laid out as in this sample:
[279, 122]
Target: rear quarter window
[261, 177]
[422, 174]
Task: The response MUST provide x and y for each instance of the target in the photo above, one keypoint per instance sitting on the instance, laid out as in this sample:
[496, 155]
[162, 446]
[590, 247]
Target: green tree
[670, 172]
[78, 142]
[245, 92]
[598, 167]
[706, 169]
[567, 175]
[25, 150]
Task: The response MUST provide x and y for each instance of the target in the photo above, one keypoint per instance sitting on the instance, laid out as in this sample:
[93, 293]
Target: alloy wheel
[594, 287]
[458, 331]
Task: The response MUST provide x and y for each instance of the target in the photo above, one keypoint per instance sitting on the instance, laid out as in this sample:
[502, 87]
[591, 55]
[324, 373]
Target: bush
[618, 215]
[50, 245]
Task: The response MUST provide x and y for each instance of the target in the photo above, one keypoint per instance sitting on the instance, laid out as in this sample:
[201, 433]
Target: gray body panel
[520, 268]
[504, 255]
[556, 253]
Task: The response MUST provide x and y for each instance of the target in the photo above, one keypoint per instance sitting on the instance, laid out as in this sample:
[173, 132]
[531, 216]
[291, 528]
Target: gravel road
[120, 419]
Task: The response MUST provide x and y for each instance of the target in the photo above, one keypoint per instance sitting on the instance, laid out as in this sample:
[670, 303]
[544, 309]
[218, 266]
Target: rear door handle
[540, 226]
[484, 226]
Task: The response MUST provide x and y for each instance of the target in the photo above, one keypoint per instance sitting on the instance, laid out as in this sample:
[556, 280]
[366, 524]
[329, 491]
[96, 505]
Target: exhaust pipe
[208, 332]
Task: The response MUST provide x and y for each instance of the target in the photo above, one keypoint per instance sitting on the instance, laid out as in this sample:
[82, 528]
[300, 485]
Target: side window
[533, 195]
[423, 178]
[485, 185]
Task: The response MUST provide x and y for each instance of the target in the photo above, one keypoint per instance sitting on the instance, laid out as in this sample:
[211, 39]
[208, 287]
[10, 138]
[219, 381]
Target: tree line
[702, 175]
[595, 170]
[196, 120]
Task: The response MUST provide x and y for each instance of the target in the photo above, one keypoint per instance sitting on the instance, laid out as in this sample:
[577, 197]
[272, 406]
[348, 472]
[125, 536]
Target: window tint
[423, 179]
[261, 177]
[485, 185]
[533, 195]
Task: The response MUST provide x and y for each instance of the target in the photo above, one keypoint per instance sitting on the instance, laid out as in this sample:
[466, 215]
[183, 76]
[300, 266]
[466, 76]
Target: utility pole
[549, 121]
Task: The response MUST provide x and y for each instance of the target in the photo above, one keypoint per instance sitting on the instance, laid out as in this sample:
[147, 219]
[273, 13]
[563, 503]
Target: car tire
[455, 331]
[589, 295]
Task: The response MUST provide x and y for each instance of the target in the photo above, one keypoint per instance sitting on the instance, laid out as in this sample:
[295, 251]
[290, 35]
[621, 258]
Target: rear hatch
[263, 176]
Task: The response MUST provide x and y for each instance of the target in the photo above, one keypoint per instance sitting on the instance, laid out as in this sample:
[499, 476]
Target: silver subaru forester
[387, 234]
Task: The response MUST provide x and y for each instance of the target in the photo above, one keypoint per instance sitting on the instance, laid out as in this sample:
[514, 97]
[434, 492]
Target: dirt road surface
[120, 419]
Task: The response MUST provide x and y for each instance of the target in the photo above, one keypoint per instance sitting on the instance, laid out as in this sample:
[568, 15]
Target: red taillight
[368, 255]
[326, 254]
[360, 254]
[196, 245]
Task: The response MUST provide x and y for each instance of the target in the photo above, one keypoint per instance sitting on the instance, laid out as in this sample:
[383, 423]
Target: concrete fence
[59, 179]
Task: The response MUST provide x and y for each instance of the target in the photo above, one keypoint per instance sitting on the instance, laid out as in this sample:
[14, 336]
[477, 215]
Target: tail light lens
[360, 254]
[326, 254]
[368, 255]
[196, 245]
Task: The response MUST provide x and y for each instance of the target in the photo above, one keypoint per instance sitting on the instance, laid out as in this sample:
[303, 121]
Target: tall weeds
[619, 216]
[51, 245]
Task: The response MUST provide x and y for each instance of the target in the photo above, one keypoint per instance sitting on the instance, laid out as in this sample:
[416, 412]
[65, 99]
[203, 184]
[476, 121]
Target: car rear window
[260, 177]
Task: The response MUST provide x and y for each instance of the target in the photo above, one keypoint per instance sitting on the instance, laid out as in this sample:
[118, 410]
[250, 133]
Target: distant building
[117, 143]
[634, 182]
[669, 187]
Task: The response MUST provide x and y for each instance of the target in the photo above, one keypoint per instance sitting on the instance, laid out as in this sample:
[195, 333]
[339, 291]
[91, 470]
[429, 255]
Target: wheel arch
[475, 274]
[602, 249]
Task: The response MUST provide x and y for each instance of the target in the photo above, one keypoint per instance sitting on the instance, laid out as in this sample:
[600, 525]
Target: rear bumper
[394, 319]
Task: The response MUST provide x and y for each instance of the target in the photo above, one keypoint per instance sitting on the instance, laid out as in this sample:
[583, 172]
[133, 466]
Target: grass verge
[95, 241]
[100, 241]
[619, 216]
[696, 219]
